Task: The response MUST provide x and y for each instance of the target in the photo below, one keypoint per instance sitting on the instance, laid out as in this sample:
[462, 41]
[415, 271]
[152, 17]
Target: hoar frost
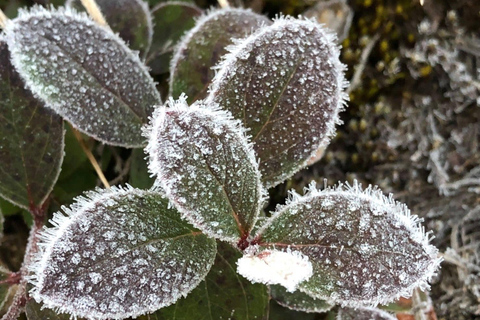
[276, 267]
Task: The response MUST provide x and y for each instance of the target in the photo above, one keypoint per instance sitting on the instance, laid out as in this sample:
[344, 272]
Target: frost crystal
[118, 253]
[365, 248]
[84, 72]
[286, 84]
[206, 167]
[276, 267]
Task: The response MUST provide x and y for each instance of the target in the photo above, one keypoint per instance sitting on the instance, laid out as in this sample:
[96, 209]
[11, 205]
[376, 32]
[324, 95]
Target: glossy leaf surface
[84, 72]
[130, 18]
[298, 300]
[171, 21]
[204, 45]
[365, 248]
[119, 253]
[31, 140]
[223, 295]
[205, 165]
[285, 83]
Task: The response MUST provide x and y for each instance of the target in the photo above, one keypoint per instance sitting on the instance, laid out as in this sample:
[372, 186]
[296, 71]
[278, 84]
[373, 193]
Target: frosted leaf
[171, 20]
[202, 160]
[130, 18]
[224, 294]
[286, 84]
[363, 313]
[6, 289]
[34, 311]
[119, 253]
[31, 140]
[84, 72]
[365, 248]
[276, 267]
[298, 300]
[204, 45]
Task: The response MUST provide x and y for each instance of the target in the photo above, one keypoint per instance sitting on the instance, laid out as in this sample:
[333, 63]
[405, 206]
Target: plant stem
[90, 157]
[94, 12]
[223, 3]
[3, 19]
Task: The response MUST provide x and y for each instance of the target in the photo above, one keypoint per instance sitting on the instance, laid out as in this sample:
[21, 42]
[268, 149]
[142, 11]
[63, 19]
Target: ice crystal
[365, 248]
[286, 84]
[207, 168]
[118, 253]
[287, 268]
[84, 72]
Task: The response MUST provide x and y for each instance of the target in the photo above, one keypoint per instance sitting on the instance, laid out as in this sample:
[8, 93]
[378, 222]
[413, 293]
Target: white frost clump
[288, 269]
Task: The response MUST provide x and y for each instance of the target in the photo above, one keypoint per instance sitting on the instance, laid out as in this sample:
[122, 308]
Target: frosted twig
[92, 159]
[3, 19]
[94, 12]
[223, 3]
[356, 80]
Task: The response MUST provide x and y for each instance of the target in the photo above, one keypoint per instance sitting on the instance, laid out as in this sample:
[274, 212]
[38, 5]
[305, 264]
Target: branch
[3, 20]
[94, 12]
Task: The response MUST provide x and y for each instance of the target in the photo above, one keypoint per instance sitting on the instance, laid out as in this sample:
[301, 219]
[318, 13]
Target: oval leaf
[130, 18]
[203, 46]
[365, 248]
[298, 300]
[363, 313]
[172, 20]
[206, 167]
[223, 294]
[285, 83]
[84, 72]
[117, 254]
[31, 140]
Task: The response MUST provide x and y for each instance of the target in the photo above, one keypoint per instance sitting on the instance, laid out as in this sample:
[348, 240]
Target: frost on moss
[204, 163]
[118, 253]
[84, 72]
[365, 248]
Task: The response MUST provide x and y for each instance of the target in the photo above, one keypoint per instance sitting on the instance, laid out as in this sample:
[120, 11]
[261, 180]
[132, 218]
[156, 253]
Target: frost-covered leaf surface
[204, 45]
[365, 248]
[285, 83]
[205, 165]
[84, 72]
[5, 288]
[364, 313]
[119, 253]
[298, 300]
[223, 295]
[130, 18]
[31, 140]
[34, 311]
[171, 21]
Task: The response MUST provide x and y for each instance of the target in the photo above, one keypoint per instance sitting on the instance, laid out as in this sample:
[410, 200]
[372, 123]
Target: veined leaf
[222, 295]
[363, 313]
[171, 20]
[203, 46]
[31, 140]
[298, 300]
[206, 167]
[119, 253]
[365, 248]
[84, 72]
[285, 83]
[130, 18]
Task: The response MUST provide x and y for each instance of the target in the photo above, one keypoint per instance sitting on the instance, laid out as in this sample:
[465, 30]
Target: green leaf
[171, 20]
[222, 295]
[298, 300]
[34, 311]
[286, 84]
[364, 247]
[74, 157]
[278, 312]
[119, 253]
[202, 48]
[130, 18]
[31, 140]
[139, 176]
[5, 288]
[84, 72]
[205, 165]
[363, 313]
